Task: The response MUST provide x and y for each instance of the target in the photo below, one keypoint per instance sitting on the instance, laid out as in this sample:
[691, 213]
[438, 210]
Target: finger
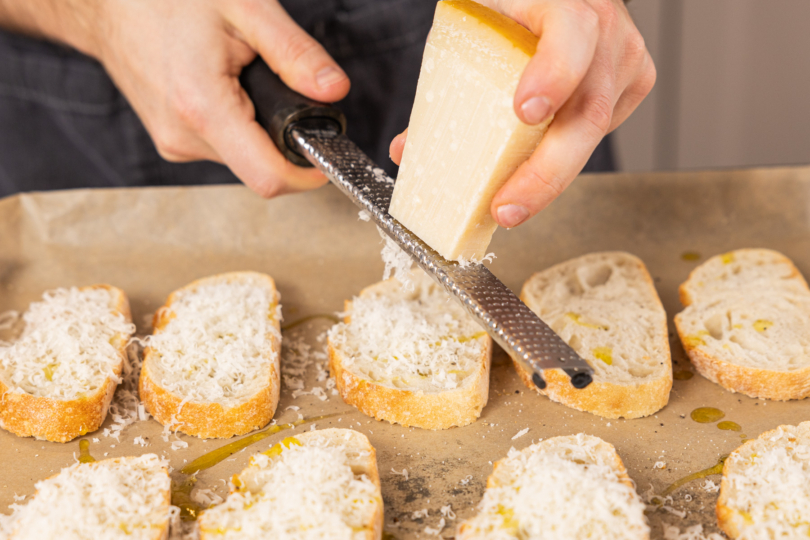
[634, 94]
[250, 153]
[568, 36]
[300, 61]
[398, 147]
[563, 152]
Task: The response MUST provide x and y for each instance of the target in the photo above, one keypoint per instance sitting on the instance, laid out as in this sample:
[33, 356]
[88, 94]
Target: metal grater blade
[521, 333]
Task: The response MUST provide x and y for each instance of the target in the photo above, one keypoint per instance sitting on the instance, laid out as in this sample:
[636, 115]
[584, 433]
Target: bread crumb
[660, 465]
[403, 473]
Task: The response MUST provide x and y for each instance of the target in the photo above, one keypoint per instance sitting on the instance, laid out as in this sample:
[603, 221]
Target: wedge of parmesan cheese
[464, 138]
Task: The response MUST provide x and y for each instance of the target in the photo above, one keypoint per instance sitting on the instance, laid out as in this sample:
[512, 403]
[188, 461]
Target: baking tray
[152, 241]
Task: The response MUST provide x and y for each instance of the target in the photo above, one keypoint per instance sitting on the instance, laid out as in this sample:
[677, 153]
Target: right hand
[178, 63]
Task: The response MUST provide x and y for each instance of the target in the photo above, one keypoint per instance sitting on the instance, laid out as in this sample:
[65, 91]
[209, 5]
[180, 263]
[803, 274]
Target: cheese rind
[464, 139]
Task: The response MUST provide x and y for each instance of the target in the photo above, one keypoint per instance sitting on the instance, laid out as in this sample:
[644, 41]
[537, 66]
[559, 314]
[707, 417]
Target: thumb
[300, 61]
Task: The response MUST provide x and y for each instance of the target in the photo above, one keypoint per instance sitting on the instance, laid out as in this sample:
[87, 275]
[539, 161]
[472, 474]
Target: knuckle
[169, 143]
[546, 182]
[298, 45]
[635, 47]
[598, 112]
[586, 14]
[189, 108]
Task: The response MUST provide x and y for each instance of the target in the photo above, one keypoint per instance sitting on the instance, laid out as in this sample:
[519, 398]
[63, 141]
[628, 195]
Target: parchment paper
[152, 241]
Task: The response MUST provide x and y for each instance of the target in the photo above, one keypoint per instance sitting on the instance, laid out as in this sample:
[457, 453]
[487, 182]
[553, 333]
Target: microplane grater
[518, 330]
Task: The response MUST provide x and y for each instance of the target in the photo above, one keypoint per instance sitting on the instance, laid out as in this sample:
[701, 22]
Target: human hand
[178, 64]
[591, 69]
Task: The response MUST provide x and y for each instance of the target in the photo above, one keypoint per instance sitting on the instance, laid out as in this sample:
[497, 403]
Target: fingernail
[511, 215]
[329, 76]
[536, 109]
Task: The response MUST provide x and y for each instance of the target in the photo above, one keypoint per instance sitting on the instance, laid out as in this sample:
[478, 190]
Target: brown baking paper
[152, 241]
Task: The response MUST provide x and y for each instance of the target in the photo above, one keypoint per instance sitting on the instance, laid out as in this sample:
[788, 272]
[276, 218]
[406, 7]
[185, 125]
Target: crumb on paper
[695, 532]
[520, 433]
[447, 511]
[293, 408]
[403, 473]
[466, 480]
[140, 440]
[660, 465]
[420, 513]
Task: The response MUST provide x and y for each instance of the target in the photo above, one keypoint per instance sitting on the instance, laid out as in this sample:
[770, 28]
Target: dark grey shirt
[64, 124]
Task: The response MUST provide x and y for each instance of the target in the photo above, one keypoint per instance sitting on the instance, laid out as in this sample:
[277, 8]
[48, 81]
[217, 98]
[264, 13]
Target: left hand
[591, 69]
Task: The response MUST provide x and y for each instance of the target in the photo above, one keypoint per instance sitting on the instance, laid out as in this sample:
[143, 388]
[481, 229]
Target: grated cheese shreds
[417, 338]
[217, 346]
[307, 492]
[770, 484]
[111, 499]
[69, 346]
[566, 488]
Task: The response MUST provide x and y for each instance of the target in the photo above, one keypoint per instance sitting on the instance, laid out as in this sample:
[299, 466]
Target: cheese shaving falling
[417, 338]
[398, 263]
[68, 347]
[217, 347]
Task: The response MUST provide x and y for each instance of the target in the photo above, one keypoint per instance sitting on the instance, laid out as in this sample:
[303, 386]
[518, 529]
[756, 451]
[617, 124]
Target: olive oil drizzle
[729, 426]
[222, 453]
[683, 375]
[716, 469]
[181, 498]
[84, 452]
[181, 489]
[707, 415]
[308, 318]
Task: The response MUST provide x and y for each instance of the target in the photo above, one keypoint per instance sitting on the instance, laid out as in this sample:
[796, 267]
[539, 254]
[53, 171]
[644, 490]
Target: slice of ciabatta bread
[411, 355]
[746, 325]
[211, 369]
[567, 488]
[604, 305]
[317, 484]
[120, 498]
[765, 492]
[58, 377]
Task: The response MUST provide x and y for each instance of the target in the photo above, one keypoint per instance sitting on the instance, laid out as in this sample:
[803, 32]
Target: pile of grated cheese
[126, 499]
[217, 346]
[410, 338]
[770, 484]
[307, 492]
[565, 488]
[68, 346]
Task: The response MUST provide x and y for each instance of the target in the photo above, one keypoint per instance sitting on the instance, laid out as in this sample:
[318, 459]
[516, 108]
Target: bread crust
[374, 526]
[428, 410]
[160, 534]
[606, 399]
[729, 520]
[57, 420]
[210, 420]
[753, 382]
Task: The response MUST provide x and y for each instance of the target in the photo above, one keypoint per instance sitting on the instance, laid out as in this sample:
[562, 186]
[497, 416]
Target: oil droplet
[729, 425]
[761, 325]
[707, 415]
[308, 318]
[716, 469]
[690, 256]
[84, 452]
[683, 375]
[224, 452]
[605, 354]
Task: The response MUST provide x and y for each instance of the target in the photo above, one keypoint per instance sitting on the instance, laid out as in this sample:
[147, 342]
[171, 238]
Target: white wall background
[733, 85]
